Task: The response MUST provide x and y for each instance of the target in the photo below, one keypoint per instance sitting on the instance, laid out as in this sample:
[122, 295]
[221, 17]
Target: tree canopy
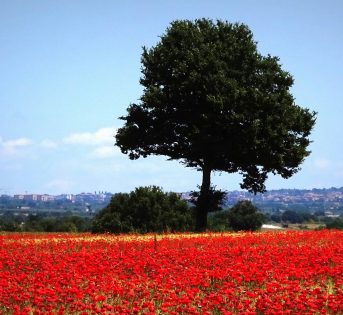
[244, 216]
[212, 101]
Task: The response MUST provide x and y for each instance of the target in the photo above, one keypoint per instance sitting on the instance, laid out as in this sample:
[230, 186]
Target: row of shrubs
[149, 209]
[44, 222]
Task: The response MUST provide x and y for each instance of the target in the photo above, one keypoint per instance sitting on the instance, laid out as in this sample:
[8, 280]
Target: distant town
[329, 201]
[82, 197]
[83, 203]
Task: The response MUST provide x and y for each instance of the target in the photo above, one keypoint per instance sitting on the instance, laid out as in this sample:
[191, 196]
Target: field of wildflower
[291, 272]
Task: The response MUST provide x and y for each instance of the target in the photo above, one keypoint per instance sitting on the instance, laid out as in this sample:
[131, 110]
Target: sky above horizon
[69, 69]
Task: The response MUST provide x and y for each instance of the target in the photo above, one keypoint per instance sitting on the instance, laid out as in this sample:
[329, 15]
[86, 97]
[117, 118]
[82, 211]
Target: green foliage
[244, 216]
[337, 223]
[219, 221]
[212, 101]
[44, 223]
[291, 216]
[275, 217]
[214, 197]
[9, 224]
[146, 209]
[294, 216]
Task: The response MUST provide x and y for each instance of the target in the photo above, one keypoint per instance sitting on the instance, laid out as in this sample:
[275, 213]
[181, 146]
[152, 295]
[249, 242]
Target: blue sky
[69, 69]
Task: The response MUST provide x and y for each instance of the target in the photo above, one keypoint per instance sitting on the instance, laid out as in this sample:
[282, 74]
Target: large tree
[212, 101]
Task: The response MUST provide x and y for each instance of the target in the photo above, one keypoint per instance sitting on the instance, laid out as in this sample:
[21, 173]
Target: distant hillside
[327, 200]
[315, 200]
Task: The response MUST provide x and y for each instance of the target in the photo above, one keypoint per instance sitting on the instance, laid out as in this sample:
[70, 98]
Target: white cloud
[100, 137]
[104, 152]
[13, 146]
[48, 144]
[20, 142]
[322, 163]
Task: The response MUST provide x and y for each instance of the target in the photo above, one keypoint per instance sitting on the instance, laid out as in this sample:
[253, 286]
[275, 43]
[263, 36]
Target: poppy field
[293, 272]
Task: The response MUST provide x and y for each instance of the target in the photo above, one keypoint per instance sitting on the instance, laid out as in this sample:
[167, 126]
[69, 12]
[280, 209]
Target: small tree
[337, 223]
[218, 221]
[244, 216]
[291, 216]
[212, 101]
[146, 209]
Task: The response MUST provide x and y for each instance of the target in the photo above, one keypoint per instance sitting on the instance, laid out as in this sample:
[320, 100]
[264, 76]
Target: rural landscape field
[288, 272]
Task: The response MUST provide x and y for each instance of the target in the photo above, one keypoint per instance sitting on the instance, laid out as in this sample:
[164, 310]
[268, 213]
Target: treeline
[149, 209]
[44, 223]
[218, 221]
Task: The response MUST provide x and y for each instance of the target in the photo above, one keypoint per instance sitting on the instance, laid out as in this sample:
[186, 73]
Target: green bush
[219, 221]
[146, 209]
[244, 216]
[335, 224]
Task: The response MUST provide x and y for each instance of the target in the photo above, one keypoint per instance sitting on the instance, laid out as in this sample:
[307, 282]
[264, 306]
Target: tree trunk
[202, 207]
